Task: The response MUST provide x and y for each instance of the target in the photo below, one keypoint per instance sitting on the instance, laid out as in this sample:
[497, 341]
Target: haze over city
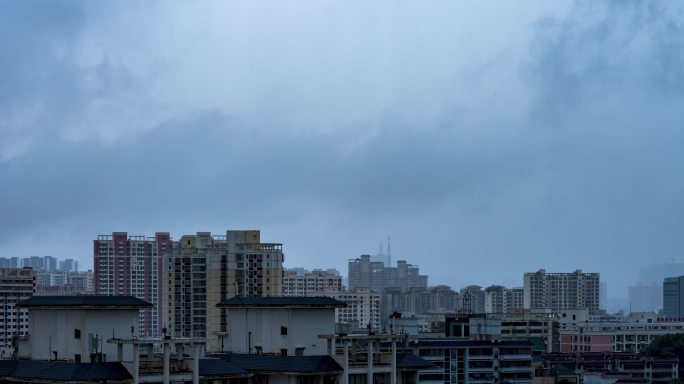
[488, 139]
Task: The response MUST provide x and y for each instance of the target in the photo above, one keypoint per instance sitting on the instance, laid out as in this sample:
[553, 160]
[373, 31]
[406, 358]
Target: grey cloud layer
[547, 138]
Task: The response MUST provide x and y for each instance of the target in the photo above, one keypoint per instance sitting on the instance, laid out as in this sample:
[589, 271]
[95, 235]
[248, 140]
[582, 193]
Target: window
[77, 335]
[283, 351]
[283, 330]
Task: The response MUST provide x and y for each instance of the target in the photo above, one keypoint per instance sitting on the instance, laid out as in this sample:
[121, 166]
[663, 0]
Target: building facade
[16, 285]
[673, 297]
[204, 269]
[375, 275]
[475, 361]
[560, 291]
[362, 310]
[298, 282]
[132, 266]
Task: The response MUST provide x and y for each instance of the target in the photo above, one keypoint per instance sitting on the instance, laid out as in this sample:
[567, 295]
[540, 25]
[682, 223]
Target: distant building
[646, 297]
[559, 291]
[16, 285]
[420, 301]
[375, 275]
[132, 266]
[673, 297]
[473, 299]
[297, 282]
[502, 300]
[362, 310]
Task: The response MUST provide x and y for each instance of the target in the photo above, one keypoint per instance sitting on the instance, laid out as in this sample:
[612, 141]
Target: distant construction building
[559, 291]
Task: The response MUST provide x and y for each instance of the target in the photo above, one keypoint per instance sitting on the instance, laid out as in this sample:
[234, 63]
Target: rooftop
[30, 370]
[289, 302]
[84, 302]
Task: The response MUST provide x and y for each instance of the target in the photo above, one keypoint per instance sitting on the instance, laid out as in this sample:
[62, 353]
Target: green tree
[666, 346]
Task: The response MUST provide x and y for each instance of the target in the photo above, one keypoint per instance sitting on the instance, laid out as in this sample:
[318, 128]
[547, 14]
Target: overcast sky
[486, 138]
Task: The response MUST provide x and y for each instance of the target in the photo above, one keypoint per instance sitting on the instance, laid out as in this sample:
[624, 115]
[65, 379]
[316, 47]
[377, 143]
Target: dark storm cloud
[549, 139]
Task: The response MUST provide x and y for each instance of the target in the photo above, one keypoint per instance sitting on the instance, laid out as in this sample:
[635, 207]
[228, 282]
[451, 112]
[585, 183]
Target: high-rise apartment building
[131, 266]
[16, 284]
[673, 297]
[362, 311]
[502, 300]
[315, 283]
[204, 269]
[559, 291]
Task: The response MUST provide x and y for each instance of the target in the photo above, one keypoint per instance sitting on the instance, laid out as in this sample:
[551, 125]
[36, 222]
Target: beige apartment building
[203, 270]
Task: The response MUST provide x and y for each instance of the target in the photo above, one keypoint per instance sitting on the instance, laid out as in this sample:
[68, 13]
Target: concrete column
[195, 363]
[119, 352]
[136, 363]
[345, 363]
[167, 368]
[370, 361]
[394, 362]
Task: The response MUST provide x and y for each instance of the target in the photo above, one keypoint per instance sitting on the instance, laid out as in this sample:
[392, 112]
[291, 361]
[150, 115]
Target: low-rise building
[579, 333]
[287, 326]
[459, 361]
[586, 365]
[72, 328]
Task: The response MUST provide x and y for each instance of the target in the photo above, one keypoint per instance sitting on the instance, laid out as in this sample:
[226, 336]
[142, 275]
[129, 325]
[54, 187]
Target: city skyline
[645, 274]
[488, 139]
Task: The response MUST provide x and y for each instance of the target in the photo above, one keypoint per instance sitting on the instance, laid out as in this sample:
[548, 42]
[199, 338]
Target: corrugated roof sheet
[411, 361]
[278, 363]
[84, 301]
[472, 343]
[62, 371]
[220, 367]
[317, 301]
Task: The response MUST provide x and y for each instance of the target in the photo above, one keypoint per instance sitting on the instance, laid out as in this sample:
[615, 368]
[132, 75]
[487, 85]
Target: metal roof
[251, 302]
[280, 364]
[62, 371]
[84, 302]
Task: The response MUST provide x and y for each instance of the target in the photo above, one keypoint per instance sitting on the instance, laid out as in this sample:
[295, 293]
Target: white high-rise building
[559, 291]
[314, 283]
[16, 284]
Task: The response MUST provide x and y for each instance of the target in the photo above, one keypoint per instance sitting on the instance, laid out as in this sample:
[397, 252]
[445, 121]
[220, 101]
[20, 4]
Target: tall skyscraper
[558, 291]
[204, 269]
[673, 297]
[132, 265]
